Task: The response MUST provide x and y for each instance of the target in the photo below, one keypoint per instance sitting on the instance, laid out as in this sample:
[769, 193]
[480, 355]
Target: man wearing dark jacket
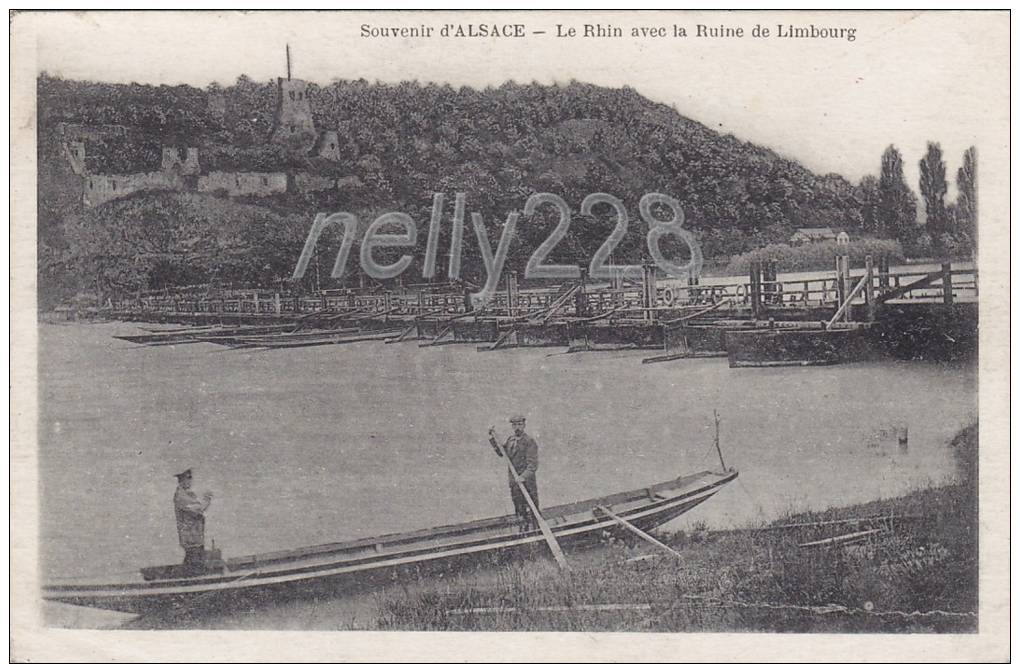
[522, 450]
[190, 513]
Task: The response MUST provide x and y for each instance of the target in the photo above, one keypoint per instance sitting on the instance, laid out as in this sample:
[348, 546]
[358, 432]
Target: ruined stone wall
[243, 184]
[309, 182]
[71, 132]
[99, 189]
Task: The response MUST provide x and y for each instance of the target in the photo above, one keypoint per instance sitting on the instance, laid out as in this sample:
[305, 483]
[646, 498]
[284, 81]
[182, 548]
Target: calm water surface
[306, 446]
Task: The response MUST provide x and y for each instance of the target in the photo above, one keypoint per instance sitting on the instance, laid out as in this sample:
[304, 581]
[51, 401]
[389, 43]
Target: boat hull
[344, 568]
[795, 347]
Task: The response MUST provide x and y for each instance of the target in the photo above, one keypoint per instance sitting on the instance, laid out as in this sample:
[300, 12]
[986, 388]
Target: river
[321, 444]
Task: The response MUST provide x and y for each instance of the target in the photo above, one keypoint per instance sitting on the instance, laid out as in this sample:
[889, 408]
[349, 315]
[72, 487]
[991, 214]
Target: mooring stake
[717, 447]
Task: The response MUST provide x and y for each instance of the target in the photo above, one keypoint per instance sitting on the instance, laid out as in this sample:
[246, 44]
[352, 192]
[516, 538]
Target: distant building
[811, 235]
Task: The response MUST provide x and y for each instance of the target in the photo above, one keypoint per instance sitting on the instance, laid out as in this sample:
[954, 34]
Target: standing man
[190, 513]
[522, 450]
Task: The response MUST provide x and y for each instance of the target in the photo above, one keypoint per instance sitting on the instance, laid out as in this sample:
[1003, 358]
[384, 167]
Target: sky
[830, 103]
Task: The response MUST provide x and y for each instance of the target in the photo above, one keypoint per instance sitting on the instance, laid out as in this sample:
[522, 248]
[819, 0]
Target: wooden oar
[637, 531]
[550, 539]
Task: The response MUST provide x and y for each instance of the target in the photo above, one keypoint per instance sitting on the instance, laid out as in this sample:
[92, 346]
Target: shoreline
[906, 564]
[913, 570]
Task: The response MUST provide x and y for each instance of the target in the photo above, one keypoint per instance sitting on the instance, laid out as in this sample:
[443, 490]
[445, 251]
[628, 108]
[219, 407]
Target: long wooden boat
[199, 334]
[317, 571]
[257, 339]
[338, 337]
[163, 336]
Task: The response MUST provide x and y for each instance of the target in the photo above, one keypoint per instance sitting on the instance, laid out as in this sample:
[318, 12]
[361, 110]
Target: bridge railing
[946, 285]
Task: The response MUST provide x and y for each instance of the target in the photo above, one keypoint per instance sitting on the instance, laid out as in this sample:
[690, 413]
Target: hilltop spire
[288, 62]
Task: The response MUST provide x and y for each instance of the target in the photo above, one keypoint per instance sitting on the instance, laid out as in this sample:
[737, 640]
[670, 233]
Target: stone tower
[293, 125]
[172, 161]
[328, 146]
[75, 154]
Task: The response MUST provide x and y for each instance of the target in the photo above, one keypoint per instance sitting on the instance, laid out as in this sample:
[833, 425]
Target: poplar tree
[966, 197]
[869, 196]
[933, 191]
[897, 209]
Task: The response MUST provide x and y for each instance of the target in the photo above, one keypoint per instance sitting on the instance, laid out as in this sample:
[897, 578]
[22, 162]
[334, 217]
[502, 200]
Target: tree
[897, 213]
[401, 143]
[966, 198]
[933, 190]
[870, 198]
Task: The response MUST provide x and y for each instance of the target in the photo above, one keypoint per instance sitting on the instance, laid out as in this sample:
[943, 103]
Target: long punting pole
[554, 546]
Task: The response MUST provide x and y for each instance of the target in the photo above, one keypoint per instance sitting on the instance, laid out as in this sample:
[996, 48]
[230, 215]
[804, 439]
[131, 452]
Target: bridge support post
[947, 283]
[839, 286]
[755, 288]
[648, 291]
[883, 273]
[581, 297]
[511, 294]
[869, 288]
[768, 279]
[842, 277]
[846, 285]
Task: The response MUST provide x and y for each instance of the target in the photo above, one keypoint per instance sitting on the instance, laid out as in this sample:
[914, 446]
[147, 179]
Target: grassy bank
[911, 567]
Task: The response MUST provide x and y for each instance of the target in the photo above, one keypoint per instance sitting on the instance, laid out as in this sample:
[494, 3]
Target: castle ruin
[180, 170]
[293, 125]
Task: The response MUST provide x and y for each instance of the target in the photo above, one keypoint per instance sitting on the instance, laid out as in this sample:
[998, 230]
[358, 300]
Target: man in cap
[522, 450]
[190, 513]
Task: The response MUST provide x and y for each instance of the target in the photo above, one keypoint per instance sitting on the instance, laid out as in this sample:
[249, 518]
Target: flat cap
[516, 418]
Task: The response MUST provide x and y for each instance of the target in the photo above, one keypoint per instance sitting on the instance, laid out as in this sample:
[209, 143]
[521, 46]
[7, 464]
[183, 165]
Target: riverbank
[901, 565]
